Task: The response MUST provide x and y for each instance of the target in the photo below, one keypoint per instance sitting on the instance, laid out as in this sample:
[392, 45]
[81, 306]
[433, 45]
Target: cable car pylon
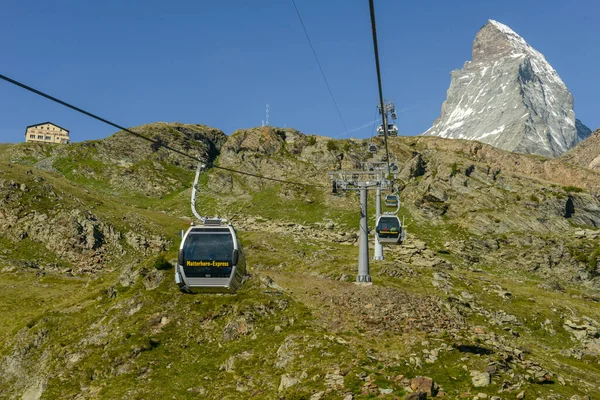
[389, 228]
[362, 180]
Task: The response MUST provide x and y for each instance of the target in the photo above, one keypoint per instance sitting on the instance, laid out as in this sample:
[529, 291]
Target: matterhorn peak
[510, 34]
[510, 97]
[501, 37]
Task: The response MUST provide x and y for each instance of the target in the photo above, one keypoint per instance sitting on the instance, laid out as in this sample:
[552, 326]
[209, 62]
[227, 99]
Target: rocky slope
[586, 154]
[509, 96]
[495, 293]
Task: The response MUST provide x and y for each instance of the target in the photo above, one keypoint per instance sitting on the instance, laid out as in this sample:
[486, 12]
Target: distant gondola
[210, 258]
[391, 128]
[372, 148]
[391, 200]
[389, 230]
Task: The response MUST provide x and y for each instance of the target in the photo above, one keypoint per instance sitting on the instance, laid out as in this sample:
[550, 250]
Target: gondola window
[208, 254]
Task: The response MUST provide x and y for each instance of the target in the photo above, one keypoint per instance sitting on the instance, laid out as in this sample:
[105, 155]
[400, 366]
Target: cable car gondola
[391, 128]
[391, 200]
[210, 258]
[372, 148]
[389, 230]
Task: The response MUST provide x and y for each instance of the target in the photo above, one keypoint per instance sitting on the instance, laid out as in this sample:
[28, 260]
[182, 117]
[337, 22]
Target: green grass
[27, 297]
[198, 356]
[573, 189]
[306, 206]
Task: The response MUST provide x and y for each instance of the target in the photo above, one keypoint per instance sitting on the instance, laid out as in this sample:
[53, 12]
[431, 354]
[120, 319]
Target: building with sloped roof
[47, 132]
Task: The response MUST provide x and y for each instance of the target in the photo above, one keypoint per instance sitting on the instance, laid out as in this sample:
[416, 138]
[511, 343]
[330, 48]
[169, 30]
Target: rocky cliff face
[509, 96]
[583, 132]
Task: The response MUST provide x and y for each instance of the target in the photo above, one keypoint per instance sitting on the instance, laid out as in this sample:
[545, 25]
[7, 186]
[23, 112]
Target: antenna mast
[267, 119]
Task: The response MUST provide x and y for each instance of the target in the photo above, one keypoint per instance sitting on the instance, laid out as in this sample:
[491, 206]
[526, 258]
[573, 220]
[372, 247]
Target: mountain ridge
[586, 154]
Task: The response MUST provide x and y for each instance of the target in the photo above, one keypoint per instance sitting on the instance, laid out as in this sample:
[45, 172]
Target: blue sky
[219, 62]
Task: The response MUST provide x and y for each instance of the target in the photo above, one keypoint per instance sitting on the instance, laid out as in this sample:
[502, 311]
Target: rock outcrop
[509, 96]
[586, 154]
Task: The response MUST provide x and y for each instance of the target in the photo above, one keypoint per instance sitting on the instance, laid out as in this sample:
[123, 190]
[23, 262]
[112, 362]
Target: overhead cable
[381, 104]
[320, 67]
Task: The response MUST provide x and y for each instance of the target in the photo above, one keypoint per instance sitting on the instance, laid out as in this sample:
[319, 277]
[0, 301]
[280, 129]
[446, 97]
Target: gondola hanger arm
[201, 166]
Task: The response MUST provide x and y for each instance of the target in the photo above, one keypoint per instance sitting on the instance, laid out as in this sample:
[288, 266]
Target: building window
[40, 137]
[48, 138]
[31, 136]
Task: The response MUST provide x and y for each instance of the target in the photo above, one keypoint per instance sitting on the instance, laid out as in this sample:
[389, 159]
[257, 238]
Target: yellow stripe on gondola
[207, 263]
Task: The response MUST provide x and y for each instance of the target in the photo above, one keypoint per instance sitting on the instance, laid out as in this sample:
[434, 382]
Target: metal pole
[195, 190]
[364, 276]
[378, 246]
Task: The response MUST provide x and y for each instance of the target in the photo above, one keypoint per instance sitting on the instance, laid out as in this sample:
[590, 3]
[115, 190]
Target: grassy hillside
[495, 292]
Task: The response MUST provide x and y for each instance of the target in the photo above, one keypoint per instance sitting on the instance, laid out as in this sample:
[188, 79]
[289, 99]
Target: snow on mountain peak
[505, 29]
[519, 48]
[518, 44]
[509, 96]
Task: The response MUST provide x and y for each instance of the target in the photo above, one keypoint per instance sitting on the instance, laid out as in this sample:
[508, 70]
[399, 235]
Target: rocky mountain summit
[509, 96]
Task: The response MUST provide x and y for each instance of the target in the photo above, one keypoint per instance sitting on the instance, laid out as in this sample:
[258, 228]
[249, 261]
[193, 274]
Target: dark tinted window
[209, 246]
[208, 253]
[388, 226]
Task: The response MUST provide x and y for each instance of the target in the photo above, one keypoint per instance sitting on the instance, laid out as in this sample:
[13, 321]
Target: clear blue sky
[219, 62]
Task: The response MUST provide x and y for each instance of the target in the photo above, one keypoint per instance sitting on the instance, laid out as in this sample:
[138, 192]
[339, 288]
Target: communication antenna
[267, 119]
